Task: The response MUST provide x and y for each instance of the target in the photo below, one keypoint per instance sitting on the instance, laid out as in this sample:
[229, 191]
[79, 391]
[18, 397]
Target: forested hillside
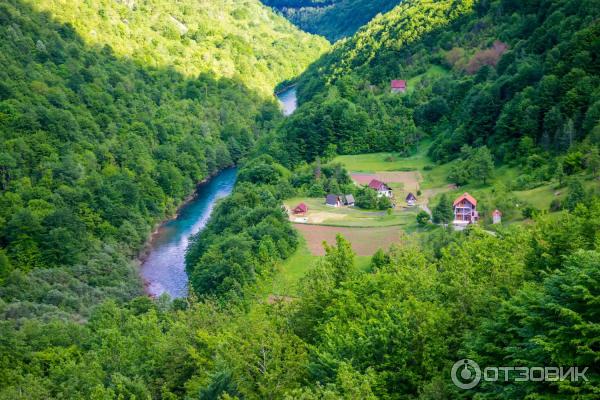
[243, 41]
[110, 114]
[521, 78]
[334, 19]
[103, 133]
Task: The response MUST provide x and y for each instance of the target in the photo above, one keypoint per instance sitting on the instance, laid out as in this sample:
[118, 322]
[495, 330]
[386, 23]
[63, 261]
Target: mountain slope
[240, 40]
[519, 78]
[96, 146]
[334, 19]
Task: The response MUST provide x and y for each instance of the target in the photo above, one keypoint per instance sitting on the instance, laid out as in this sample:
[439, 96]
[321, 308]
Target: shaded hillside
[95, 147]
[334, 19]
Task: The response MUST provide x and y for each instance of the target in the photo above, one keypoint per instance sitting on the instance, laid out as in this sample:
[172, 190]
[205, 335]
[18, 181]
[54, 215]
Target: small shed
[300, 209]
[411, 199]
[398, 86]
[349, 200]
[333, 200]
[496, 216]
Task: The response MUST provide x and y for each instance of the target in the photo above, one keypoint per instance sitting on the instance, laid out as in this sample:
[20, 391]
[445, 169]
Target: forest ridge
[111, 112]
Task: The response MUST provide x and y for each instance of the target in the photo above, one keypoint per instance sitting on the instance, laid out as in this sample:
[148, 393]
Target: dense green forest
[334, 19]
[242, 41]
[520, 78]
[97, 147]
[103, 133]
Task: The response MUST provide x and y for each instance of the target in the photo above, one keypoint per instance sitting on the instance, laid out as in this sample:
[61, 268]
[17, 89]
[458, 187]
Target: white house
[381, 188]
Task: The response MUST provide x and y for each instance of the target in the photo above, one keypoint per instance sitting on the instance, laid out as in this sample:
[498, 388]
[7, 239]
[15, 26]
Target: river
[288, 100]
[163, 269]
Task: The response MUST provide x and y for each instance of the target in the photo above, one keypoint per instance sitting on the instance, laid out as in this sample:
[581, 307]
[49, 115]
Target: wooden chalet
[381, 188]
[465, 210]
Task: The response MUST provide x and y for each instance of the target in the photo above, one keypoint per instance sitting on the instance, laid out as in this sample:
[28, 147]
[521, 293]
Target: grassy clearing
[434, 71]
[540, 197]
[319, 213]
[286, 279]
[433, 176]
[380, 162]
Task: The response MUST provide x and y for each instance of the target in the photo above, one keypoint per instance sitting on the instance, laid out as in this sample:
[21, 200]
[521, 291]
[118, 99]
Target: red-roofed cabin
[398, 86]
[300, 209]
[465, 209]
[381, 188]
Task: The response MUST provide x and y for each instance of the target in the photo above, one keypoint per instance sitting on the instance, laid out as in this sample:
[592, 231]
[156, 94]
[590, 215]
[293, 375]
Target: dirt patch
[410, 179]
[365, 241]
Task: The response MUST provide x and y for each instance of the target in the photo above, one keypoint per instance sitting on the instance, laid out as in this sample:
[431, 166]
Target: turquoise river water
[163, 268]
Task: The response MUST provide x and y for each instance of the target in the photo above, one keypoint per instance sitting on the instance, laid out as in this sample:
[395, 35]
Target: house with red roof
[465, 210]
[398, 86]
[300, 209]
[381, 188]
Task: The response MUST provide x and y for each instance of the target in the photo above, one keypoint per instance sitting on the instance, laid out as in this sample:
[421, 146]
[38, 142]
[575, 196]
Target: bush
[556, 205]
[530, 212]
[423, 218]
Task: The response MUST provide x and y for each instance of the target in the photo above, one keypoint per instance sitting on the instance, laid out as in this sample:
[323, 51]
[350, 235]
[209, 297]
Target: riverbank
[162, 263]
[143, 253]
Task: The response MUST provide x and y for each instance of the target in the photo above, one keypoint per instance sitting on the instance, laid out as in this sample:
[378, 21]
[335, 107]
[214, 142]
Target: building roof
[410, 197]
[332, 199]
[398, 84]
[376, 184]
[465, 196]
[301, 208]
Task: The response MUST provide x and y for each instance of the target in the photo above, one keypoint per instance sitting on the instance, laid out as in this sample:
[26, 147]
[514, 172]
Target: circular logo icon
[466, 374]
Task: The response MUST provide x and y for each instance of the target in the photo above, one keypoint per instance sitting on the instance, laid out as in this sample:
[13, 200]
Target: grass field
[434, 71]
[319, 213]
[378, 162]
[365, 241]
[294, 268]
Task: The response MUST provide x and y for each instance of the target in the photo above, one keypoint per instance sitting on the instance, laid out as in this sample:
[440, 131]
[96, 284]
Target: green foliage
[509, 74]
[551, 324]
[576, 194]
[442, 212]
[100, 138]
[474, 165]
[423, 218]
[245, 42]
[248, 234]
[333, 19]
[368, 199]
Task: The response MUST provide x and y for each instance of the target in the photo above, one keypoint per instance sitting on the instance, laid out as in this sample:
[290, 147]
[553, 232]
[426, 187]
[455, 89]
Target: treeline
[334, 19]
[248, 235]
[520, 78]
[393, 331]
